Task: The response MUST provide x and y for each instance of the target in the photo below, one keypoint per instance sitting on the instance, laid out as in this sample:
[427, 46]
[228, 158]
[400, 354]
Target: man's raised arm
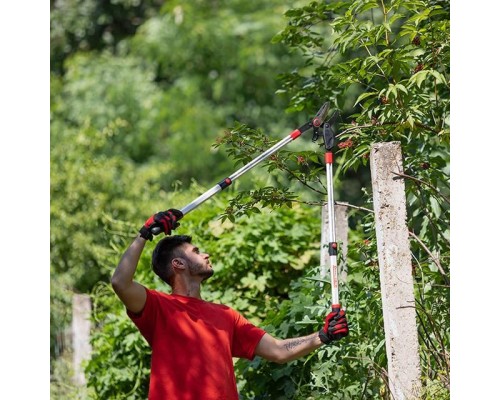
[131, 293]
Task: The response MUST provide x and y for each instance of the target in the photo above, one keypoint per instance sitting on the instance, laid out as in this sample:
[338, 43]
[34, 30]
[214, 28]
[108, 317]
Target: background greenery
[153, 102]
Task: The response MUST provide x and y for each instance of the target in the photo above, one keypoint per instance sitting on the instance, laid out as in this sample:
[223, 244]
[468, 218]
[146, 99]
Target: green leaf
[364, 96]
[440, 79]
[435, 206]
[411, 121]
[418, 78]
[402, 88]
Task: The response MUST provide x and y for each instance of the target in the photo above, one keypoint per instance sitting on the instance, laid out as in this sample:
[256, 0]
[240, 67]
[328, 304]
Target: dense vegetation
[153, 102]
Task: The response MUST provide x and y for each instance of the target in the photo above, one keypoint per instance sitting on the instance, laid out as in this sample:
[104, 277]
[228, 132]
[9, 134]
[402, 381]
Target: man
[193, 341]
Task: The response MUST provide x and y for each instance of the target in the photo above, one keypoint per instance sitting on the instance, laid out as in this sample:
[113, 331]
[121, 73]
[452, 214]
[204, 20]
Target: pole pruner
[329, 142]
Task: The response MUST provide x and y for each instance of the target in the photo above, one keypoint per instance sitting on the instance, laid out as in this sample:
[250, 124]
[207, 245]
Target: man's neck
[188, 290]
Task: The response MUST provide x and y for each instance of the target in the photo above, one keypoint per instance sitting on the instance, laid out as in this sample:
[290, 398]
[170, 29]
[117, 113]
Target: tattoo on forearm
[296, 342]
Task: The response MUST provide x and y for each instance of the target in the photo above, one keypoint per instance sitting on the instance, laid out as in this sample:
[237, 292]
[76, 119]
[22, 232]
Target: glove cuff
[324, 337]
[145, 233]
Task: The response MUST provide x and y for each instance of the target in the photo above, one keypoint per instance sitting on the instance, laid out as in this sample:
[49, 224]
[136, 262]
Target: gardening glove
[163, 221]
[335, 327]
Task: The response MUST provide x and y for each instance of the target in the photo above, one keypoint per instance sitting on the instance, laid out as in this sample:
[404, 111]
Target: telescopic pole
[329, 139]
[332, 243]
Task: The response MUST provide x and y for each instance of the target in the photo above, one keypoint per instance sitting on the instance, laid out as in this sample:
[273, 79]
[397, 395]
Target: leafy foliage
[93, 25]
[329, 372]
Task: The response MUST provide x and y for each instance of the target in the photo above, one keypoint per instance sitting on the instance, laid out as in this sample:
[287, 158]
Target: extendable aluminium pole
[329, 140]
[332, 243]
[315, 123]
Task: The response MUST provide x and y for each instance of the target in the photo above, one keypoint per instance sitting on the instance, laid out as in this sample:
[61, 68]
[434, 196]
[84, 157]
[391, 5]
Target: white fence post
[396, 279]
[80, 332]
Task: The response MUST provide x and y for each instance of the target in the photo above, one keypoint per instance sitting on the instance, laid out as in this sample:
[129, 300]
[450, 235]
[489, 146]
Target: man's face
[198, 263]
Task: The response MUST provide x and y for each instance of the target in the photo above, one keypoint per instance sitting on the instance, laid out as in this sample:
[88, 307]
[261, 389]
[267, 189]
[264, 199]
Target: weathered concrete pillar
[341, 229]
[80, 332]
[396, 279]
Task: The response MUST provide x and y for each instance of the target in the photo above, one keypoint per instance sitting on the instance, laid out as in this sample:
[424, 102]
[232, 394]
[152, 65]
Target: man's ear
[178, 263]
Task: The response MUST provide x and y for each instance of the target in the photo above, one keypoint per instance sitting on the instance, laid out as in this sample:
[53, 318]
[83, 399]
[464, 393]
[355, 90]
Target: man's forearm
[294, 348]
[124, 272]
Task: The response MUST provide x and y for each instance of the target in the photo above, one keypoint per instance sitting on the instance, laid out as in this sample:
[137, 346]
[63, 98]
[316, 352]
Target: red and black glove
[163, 221]
[335, 327]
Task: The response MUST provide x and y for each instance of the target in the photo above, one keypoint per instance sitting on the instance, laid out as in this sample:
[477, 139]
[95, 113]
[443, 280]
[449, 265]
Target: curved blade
[321, 115]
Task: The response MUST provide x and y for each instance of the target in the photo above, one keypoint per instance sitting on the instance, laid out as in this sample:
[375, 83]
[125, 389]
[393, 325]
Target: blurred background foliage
[153, 102]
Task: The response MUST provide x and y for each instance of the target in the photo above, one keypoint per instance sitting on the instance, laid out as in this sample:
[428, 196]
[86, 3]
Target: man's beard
[202, 270]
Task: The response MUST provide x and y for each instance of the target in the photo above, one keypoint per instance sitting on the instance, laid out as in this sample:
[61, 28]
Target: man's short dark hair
[164, 253]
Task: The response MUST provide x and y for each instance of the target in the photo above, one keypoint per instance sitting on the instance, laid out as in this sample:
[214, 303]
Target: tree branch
[355, 207]
[436, 261]
[387, 123]
[423, 183]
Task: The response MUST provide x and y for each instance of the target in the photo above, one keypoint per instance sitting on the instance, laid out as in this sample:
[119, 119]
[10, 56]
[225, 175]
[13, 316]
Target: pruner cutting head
[329, 132]
[321, 115]
[319, 119]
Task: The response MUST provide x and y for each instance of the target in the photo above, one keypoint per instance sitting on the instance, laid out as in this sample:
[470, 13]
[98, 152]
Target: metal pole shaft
[201, 199]
[227, 181]
[332, 245]
[263, 156]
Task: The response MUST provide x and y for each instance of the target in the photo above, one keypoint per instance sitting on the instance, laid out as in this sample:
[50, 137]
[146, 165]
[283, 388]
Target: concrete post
[396, 279]
[80, 332]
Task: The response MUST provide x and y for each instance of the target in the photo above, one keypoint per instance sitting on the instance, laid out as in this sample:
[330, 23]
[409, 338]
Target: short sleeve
[246, 337]
[146, 319]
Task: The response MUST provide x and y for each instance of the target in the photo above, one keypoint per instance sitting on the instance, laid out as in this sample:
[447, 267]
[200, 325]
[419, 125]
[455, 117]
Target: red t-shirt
[193, 342]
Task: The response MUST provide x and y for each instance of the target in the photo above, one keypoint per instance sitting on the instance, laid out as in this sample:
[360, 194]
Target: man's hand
[335, 327]
[163, 221]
